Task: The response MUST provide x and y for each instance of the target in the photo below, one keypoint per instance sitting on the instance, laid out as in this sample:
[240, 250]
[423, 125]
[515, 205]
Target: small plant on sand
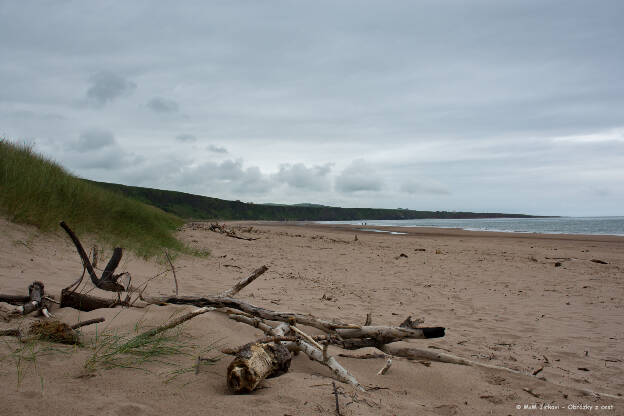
[25, 355]
[112, 349]
[198, 252]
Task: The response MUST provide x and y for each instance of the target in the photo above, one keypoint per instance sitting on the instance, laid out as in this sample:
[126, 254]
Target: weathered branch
[421, 353]
[175, 278]
[83, 255]
[339, 371]
[411, 323]
[336, 393]
[363, 356]
[385, 334]
[385, 368]
[315, 354]
[255, 322]
[263, 340]
[226, 302]
[307, 337]
[35, 295]
[108, 280]
[14, 299]
[176, 322]
[86, 303]
[242, 283]
[87, 322]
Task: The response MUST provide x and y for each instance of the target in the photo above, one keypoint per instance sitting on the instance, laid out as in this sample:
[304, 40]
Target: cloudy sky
[507, 106]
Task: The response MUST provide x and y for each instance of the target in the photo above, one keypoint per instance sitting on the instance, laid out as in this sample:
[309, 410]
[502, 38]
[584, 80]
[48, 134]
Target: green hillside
[204, 208]
[37, 191]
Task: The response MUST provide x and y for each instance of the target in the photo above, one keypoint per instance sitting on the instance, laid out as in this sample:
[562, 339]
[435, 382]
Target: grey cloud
[34, 116]
[357, 177]
[186, 138]
[474, 102]
[217, 149]
[227, 176]
[106, 86]
[212, 172]
[163, 105]
[94, 139]
[424, 187]
[253, 182]
[299, 176]
[228, 170]
[105, 159]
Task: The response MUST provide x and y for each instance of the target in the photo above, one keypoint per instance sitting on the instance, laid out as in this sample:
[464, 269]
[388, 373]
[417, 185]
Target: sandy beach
[527, 302]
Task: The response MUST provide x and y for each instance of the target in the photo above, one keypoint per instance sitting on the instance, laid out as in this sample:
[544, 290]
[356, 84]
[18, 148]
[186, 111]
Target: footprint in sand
[132, 409]
[446, 410]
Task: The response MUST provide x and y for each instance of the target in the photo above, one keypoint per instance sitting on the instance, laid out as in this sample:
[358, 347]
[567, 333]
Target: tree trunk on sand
[254, 363]
[85, 303]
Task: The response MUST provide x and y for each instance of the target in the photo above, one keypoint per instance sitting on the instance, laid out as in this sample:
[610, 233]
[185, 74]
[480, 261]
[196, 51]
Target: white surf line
[373, 230]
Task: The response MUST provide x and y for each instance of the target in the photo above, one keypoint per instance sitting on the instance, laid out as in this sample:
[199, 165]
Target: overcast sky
[505, 106]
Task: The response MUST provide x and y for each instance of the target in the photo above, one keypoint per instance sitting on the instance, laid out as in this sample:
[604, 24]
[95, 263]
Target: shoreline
[437, 231]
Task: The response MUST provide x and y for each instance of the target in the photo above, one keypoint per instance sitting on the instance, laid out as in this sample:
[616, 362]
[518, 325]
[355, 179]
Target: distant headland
[203, 207]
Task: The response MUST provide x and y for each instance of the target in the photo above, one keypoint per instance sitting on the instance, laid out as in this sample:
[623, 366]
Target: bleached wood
[254, 363]
[176, 322]
[315, 354]
[387, 334]
[306, 337]
[244, 282]
[385, 368]
[228, 302]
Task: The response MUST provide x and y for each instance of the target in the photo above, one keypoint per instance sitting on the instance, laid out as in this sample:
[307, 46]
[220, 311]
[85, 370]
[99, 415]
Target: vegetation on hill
[37, 191]
[203, 208]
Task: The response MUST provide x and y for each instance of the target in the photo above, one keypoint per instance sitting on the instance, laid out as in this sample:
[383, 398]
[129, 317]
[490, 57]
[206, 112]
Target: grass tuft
[26, 355]
[35, 190]
[114, 350]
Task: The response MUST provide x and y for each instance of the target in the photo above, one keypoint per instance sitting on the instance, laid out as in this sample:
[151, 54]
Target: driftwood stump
[35, 295]
[86, 303]
[254, 363]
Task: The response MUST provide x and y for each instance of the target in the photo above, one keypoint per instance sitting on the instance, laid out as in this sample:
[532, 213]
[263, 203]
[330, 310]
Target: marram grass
[35, 190]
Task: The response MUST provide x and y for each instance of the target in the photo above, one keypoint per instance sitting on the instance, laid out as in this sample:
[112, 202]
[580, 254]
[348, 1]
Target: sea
[559, 225]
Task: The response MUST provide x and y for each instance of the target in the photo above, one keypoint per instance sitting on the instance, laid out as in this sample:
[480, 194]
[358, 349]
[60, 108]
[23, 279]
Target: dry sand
[500, 297]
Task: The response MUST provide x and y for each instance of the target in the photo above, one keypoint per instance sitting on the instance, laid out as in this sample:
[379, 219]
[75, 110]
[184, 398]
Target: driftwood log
[374, 334]
[259, 360]
[220, 228]
[35, 294]
[35, 301]
[300, 345]
[14, 299]
[226, 302]
[256, 362]
[86, 303]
